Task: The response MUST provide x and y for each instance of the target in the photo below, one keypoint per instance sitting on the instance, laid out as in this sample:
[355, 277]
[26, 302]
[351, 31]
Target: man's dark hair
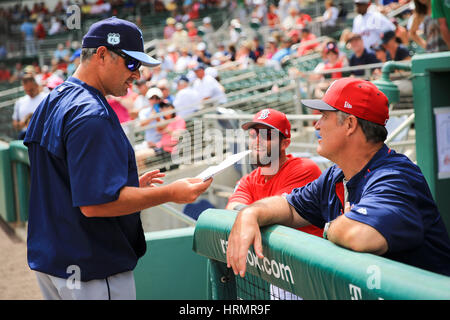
[373, 132]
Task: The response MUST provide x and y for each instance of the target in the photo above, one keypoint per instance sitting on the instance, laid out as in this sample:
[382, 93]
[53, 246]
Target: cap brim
[144, 58]
[317, 105]
[250, 124]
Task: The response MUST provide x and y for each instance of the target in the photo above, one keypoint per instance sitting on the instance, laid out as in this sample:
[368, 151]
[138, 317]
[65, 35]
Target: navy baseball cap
[121, 35]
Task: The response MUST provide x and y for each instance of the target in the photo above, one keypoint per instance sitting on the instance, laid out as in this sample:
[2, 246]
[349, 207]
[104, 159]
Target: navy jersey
[391, 195]
[80, 156]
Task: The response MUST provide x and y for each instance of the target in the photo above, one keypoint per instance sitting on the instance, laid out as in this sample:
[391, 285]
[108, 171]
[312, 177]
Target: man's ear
[101, 53]
[351, 124]
[285, 143]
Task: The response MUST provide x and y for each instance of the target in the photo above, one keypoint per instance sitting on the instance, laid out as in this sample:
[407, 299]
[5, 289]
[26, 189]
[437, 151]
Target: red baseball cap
[358, 97]
[272, 118]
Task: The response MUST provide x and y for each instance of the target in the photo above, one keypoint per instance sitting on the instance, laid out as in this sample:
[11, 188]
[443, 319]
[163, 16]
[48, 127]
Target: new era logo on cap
[347, 105]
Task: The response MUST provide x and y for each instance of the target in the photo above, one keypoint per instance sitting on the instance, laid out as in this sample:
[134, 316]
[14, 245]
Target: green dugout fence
[307, 266]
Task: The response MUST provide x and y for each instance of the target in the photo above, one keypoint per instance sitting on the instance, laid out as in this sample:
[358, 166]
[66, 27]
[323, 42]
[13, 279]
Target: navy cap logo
[113, 38]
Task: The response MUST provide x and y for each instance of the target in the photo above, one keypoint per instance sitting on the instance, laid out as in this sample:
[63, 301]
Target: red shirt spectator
[305, 37]
[303, 20]
[119, 109]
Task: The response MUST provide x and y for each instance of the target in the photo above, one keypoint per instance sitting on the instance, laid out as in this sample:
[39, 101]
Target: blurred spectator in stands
[232, 52]
[201, 54]
[183, 61]
[27, 104]
[18, 72]
[290, 21]
[39, 29]
[157, 74]
[150, 115]
[400, 32]
[167, 63]
[307, 43]
[284, 6]
[273, 20]
[360, 55]
[243, 55]
[394, 50]
[187, 100]
[192, 31]
[141, 101]
[333, 60]
[259, 12]
[269, 51]
[294, 35]
[43, 75]
[257, 49]
[370, 24]
[433, 41]
[171, 131]
[55, 26]
[27, 29]
[74, 62]
[61, 53]
[342, 12]
[235, 31]
[118, 107]
[440, 10]
[192, 9]
[220, 56]
[329, 18]
[172, 54]
[380, 53]
[169, 29]
[284, 51]
[208, 87]
[53, 83]
[5, 75]
[3, 51]
[163, 85]
[303, 19]
[180, 37]
[207, 27]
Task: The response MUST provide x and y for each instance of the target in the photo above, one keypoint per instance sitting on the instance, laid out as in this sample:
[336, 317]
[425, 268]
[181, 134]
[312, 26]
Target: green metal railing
[14, 181]
[309, 267]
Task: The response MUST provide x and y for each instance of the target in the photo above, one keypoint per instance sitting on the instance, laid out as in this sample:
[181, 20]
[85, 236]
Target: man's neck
[353, 164]
[84, 74]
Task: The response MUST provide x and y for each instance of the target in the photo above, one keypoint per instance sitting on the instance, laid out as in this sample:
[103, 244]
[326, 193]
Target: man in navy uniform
[84, 233]
[373, 200]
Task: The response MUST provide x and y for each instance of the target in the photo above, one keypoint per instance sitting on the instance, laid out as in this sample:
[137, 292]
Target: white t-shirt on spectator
[27, 105]
[208, 87]
[371, 26]
[186, 101]
[141, 102]
[330, 16]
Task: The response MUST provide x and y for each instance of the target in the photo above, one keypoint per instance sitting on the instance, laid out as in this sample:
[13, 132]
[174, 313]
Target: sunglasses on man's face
[131, 63]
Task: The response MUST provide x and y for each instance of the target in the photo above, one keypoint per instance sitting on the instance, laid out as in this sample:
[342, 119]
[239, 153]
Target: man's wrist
[325, 230]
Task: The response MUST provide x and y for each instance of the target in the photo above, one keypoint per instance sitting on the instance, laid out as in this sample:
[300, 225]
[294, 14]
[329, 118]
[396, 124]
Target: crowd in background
[186, 50]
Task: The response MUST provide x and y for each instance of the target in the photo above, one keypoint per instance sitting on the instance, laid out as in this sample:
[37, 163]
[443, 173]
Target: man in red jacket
[276, 174]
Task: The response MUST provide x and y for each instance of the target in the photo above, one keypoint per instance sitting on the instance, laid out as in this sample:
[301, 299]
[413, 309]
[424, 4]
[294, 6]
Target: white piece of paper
[442, 117]
[211, 171]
